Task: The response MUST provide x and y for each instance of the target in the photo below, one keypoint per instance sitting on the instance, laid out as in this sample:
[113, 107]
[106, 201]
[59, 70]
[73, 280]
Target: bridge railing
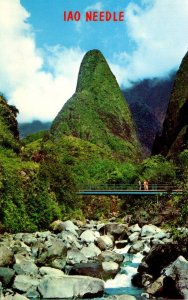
[129, 187]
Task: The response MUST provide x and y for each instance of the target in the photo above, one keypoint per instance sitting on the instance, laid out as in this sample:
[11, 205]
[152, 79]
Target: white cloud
[38, 94]
[159, 33]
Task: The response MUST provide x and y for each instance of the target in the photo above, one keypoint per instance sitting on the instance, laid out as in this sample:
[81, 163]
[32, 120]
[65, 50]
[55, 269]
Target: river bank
[93, 259]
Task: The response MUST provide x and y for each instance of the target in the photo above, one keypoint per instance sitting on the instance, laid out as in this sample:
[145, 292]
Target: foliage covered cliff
[148, 100]
[97, 112]
[174, 136]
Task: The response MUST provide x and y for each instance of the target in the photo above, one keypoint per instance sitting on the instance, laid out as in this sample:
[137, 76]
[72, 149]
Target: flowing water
[121, 284]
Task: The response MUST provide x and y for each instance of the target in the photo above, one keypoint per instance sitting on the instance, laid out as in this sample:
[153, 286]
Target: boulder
[161, 235]
[57, 226]
[32, 293]
[163, 255]
[71, 227]
[15, 297]
[29, 239]
[23, 283]
[135, 228]
[134, 237]
[50, 271]
[91, 251]
[137, 247]
[58, 263]
[6, 256]
[110, 267]
[93, 269]
[116, 229]
[105, 242]
[111, 256]
[70, 287]
[24, 265]
[178, 271]
[150, 230]
[69, 239]
[43, 235]
[6, 276]
[156, 242]
[88, 236]
[55, 248]
[74, 256]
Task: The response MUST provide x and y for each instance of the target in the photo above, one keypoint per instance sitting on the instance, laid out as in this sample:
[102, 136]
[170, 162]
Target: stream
[121, 284]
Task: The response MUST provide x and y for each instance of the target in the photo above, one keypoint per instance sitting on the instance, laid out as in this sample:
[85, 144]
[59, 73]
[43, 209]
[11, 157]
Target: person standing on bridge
[139, 185]
[146, 185]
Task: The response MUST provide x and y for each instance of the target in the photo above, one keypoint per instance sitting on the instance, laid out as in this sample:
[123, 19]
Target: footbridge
[123, 189]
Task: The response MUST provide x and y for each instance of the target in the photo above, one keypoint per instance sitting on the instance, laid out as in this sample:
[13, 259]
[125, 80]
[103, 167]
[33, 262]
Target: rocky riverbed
[78, 260]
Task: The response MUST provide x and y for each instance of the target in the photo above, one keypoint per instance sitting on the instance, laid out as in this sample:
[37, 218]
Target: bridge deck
[128, 192]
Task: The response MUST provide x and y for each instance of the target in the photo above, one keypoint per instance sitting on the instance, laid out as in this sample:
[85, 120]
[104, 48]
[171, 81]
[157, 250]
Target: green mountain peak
[98, 112]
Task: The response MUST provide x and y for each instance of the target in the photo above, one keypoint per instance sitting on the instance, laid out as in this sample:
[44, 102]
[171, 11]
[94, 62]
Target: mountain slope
[148, 100]
[9, 135]
[176, 118]
[97, 112]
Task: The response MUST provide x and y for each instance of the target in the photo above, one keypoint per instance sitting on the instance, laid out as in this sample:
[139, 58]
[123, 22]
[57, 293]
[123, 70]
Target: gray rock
[110, 267]
[150, 230]
[134, 237]
[50, 271]
[24, 265]
[157, 242]
[69, 239]
[55, 248]
[23, 283]
[137, 247]
[70, 286]
[93, 269]
[6, 275]
[167, 240]
[32, 293]
[6, 256]
[178, 271]
[42, 234]
[15, 297]
[105, 242]
[74, 256]
[58, 263]
[57, 226]
[91, 251]
[135, 228]
[115, 229]
[69, 226]
[29, 239]
[160, 235]
[88, 236]
[111, 256]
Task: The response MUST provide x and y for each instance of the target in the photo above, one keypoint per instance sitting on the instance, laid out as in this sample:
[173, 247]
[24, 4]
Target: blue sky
[47, 19]
[41, 54]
